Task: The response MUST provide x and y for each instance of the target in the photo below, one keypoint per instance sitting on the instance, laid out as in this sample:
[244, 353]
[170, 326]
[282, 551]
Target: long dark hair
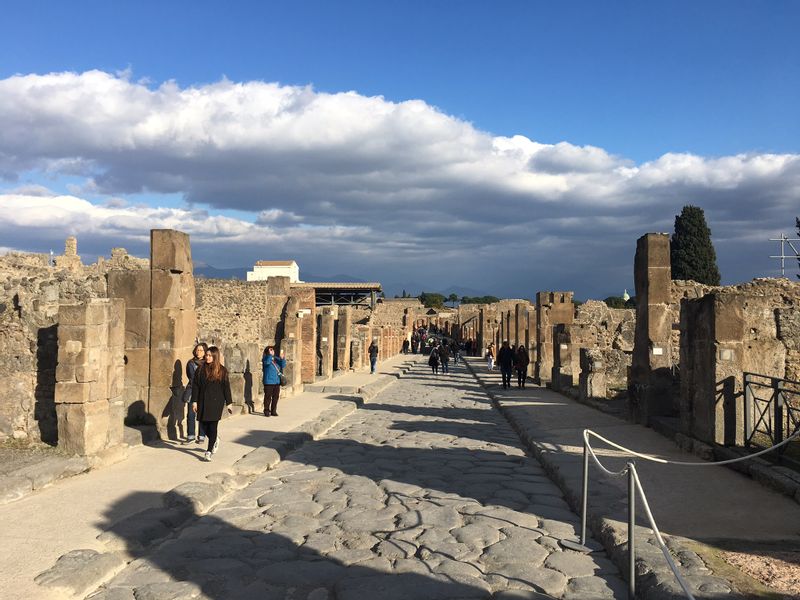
[266, 350]
[215, 370]
[202, 345]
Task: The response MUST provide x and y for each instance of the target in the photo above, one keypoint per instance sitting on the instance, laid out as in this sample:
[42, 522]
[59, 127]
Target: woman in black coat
[211, 394]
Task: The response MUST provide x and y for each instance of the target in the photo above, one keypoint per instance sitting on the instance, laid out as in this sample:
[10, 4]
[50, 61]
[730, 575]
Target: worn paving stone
[79, 571]
[424, 493]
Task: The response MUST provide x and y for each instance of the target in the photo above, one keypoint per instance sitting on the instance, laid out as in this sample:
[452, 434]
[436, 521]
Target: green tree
[452, 299]
[692, 254]
[431, 300]
[479, 299]
[615, 302]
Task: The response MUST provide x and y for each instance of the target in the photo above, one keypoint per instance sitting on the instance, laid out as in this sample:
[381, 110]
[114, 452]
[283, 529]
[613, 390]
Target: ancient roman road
[426, 492]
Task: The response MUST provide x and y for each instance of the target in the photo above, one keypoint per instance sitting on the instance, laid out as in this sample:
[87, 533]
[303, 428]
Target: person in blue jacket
[272, 365]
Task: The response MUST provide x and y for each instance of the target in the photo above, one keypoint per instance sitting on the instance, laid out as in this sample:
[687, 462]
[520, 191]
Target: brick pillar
[650, 385]
[562, 370]
[520, 318]
[90, 375]
[173, 326]
[306, 303]
[292, 343]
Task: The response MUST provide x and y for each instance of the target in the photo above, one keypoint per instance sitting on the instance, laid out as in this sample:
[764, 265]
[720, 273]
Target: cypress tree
[797, 224]
[691, 252]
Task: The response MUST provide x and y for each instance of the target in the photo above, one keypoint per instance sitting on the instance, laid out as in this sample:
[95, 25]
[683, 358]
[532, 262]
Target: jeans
[445, 366]
[521, 377]
[506, 373]
[372, 362]
[191, 417]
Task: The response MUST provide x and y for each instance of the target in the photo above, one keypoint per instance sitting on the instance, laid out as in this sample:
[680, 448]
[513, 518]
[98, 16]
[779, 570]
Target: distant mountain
[206, 270]
[414, 288]
[330, 278]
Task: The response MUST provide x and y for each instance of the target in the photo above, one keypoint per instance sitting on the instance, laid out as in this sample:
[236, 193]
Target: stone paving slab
[422, 493]
[711, 504]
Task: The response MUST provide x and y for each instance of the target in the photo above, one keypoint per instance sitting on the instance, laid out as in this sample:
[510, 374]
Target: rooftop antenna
[785, 241]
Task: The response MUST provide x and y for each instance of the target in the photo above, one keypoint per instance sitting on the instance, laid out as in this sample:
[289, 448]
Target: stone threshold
[82, 571]
[654, 579]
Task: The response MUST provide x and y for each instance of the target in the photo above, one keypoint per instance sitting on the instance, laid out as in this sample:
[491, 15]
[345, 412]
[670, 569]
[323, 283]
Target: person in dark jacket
[211, 394]
[198, 359]
[444, 356]
[272, 366]
[373, 356]
[433, 360]
[505, 360]
[521, 361]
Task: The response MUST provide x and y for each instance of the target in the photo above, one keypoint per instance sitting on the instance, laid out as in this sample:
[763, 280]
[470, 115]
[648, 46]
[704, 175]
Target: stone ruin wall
[31, 292]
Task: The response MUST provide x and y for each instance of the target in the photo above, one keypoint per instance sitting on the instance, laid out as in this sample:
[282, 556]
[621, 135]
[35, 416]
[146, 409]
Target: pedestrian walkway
[715, 505]
[423, 493]
[70, 514]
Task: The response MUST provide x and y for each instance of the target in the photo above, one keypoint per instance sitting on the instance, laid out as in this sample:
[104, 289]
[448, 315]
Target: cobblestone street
[425, 492]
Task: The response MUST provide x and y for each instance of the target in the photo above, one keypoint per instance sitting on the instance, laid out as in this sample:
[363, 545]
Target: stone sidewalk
[71, 513]
[713, 505]
[424, 493]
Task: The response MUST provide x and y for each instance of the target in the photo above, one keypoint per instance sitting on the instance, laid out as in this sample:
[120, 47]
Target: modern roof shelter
[343, 293]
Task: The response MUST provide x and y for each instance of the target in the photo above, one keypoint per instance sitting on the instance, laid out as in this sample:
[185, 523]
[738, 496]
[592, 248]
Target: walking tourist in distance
[433, 360]
[505, 359]
[211, 394]
[405, 346]
[373, 356]
[272, 366]
[444, 357]
[521, 362]
[490, 357]
[198, 360]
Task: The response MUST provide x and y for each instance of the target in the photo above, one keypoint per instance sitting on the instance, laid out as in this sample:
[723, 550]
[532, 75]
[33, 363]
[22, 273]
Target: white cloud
[332, 172]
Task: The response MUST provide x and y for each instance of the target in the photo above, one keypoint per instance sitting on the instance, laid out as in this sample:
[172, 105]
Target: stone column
[592, 381]
[327, 341]
[293, 344]
[70, 259]
[306, 298]
[520, 318]
[173, 326]
[483, 330]
[650, 385]
[90, 376]
[562, 370]
[344, 338]
[552, 308]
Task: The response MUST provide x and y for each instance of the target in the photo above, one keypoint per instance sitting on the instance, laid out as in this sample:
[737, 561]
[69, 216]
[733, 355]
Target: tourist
[211, 394]
[373, 357]
[521, 362]
[197, 361]
[444, 357]
[433, 360]
[490, 357]
[273, 368]
[505, 360]
[405, 346]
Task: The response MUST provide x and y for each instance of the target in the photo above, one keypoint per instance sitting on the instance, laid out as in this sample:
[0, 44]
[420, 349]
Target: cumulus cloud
[398, 187]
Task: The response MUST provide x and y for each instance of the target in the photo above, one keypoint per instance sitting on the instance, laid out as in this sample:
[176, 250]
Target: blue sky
[636, 80]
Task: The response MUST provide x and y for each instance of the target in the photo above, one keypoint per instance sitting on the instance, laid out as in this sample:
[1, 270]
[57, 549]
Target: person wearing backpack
[433, 360]
[444, 356]
[273, 367]
[197, 361]
[211, 394]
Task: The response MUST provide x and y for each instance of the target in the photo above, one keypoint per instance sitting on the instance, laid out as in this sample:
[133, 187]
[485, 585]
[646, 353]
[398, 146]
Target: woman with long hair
[197, 361]
[273, 366]
[211, 394]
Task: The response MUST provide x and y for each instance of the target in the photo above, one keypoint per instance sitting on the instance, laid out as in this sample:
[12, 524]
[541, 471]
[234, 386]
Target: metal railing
[771, 411]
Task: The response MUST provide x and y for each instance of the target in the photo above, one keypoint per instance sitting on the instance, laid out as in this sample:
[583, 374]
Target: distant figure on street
[521, 362]
[433, 360]
[444, 357]
[373, 357]
[405, 346]
[505, 359]
[490, 357]
[211, 394]
[272, 366]
[197, 361]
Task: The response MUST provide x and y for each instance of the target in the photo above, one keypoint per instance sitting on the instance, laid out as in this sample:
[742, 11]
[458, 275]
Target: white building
[274, 268]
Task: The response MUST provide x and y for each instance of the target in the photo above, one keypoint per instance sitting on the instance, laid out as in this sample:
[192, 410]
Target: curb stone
[654, 579]
[79, 572]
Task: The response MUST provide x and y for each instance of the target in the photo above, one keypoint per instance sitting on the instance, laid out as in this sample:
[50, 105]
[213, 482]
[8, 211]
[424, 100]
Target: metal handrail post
[748, 410]
[584, 492]
[777, 405]
[631, 532]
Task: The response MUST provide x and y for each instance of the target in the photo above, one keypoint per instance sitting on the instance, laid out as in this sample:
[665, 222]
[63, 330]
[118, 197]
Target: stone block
[65, 372]
[160, 405]
[132, 286]
[116, 380]
[88, 335]
[659, 290]
[172, 328]
[167, 366]
[137, 328]
[137, 367]
[278, 286]
[172, 290]
[87, 373]
[71, 393]
[116, 422]
[83, 428]
[170, 251]
[729, 318]
[237, 388]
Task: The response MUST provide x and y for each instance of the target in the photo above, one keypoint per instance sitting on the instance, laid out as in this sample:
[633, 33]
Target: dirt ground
[779, 571]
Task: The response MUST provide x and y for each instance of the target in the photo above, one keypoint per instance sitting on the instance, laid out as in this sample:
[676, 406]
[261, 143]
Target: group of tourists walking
[509, 360]
[208, 393]
[441, 353]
